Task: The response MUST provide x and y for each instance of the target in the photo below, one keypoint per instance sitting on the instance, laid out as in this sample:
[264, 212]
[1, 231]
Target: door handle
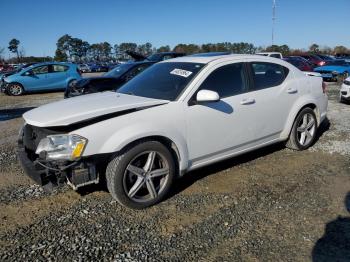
[247, 101]
[292, 90]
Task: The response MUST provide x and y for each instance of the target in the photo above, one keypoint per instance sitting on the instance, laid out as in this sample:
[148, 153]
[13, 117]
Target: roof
[208, 59]
[50, 63]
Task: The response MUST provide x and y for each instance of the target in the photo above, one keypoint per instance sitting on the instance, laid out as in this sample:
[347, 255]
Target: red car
[5, 68]
[314, 59]
[299, 63]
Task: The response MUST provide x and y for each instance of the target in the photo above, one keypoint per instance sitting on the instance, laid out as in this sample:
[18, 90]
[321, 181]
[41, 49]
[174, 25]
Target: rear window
[267, 75]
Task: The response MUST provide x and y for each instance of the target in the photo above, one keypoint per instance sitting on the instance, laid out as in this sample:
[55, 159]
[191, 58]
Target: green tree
[78, 48]
[341, 50]
[63, 50]
[13, 47]
[314, 48]
[2, 51]
[106, 50]
[60, 56]
[163, 49]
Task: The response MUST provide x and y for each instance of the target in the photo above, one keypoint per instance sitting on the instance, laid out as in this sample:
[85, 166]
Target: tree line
[74, 49]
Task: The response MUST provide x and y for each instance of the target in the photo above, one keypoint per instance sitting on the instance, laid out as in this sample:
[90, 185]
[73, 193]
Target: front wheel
[72, 83]
[304, 130]
[15, 89]
[141, 176]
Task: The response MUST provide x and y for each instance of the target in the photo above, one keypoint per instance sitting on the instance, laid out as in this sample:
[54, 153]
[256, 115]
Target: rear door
[57, 76]
[274, 91]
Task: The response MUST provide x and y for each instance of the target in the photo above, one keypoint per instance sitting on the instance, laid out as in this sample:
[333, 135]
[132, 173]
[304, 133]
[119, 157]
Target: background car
[335, 70]
[84, 68]
[299, 63]
[314, 59]
[157, 57]
[344, 95]
[42, 77]
[8, 73]
[6, 68]
[271, 54]
[109, 81]
[95, 67]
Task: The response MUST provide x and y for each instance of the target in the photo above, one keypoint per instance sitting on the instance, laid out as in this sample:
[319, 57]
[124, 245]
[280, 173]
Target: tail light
[321, 63]
[324, 87]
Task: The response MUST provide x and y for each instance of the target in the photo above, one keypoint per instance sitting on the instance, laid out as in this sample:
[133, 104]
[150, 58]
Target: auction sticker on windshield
[181, 72]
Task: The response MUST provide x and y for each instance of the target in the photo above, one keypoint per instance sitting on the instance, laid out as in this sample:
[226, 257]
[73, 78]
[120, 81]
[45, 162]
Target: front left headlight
[61, 147]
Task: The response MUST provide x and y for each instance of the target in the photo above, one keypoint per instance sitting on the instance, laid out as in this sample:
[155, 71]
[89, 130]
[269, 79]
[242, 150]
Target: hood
[87, 107]
[338, 68]
[86, 80]
[135, 55]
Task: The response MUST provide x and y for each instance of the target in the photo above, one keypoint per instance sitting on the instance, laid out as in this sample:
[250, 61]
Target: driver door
[218, 128]
[37, 80]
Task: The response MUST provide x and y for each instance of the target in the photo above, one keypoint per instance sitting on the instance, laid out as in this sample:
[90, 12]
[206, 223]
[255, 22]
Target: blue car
[334, 69]
[41, 77]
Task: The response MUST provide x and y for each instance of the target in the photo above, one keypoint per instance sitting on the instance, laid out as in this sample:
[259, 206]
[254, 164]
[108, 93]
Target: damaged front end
[51, 167]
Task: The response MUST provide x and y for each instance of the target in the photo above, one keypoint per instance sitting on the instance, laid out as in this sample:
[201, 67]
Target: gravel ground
[273, 204]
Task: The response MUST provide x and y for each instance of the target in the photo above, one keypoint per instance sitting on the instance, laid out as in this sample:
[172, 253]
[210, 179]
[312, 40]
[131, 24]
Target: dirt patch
[24, 213]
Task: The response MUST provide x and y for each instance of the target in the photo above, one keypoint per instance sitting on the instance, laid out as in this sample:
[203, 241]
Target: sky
[299, 23]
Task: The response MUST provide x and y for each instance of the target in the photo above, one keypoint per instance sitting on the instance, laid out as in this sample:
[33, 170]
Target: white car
[271, 54]
[176, 116]
[345, 90]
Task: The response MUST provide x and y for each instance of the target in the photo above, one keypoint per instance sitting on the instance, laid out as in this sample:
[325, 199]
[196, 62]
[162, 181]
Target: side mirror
[29, 73]
[207, 96]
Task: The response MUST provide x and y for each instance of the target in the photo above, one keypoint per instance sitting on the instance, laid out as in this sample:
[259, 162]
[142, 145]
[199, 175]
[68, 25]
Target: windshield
[162, 81]
[119, 70]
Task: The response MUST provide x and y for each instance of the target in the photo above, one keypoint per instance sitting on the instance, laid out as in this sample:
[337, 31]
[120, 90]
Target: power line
[273, 20]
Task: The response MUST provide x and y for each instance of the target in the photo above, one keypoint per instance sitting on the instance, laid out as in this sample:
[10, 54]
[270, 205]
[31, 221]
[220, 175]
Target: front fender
[131, 133]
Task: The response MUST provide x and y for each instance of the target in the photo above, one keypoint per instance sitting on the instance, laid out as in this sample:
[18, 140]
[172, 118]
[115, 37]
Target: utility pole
[273, 20]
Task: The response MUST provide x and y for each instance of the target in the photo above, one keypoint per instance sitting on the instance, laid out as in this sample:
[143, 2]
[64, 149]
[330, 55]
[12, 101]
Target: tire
[304, 130]
[147, 183]
[15, 89]
[71, 83]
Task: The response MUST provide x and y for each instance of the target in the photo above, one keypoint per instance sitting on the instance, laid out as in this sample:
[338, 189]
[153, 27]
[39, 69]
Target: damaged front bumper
[50, 174]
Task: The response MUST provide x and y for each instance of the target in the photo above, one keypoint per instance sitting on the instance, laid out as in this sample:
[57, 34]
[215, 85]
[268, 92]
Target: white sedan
[176, 116]
[345, 90]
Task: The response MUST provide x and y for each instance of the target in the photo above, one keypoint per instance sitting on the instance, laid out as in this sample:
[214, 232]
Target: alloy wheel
[15, 90]
[306, 129]
[146, 176]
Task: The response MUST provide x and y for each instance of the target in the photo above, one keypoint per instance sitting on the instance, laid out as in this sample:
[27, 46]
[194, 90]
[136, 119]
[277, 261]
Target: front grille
[343, 92]
[32, 135]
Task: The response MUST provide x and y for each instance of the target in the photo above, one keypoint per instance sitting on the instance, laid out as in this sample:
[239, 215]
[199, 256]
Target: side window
[40, 70]
[276, 55]
[228, 80]
[267, 75]
[59, 68]
[166, 57]
[135, 71]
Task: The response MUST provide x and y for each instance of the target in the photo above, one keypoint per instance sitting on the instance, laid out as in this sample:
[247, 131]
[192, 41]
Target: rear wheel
[304, 130]
[142, 176]
[15, 89]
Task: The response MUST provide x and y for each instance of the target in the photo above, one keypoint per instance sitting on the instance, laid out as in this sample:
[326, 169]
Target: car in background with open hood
[111, 80]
